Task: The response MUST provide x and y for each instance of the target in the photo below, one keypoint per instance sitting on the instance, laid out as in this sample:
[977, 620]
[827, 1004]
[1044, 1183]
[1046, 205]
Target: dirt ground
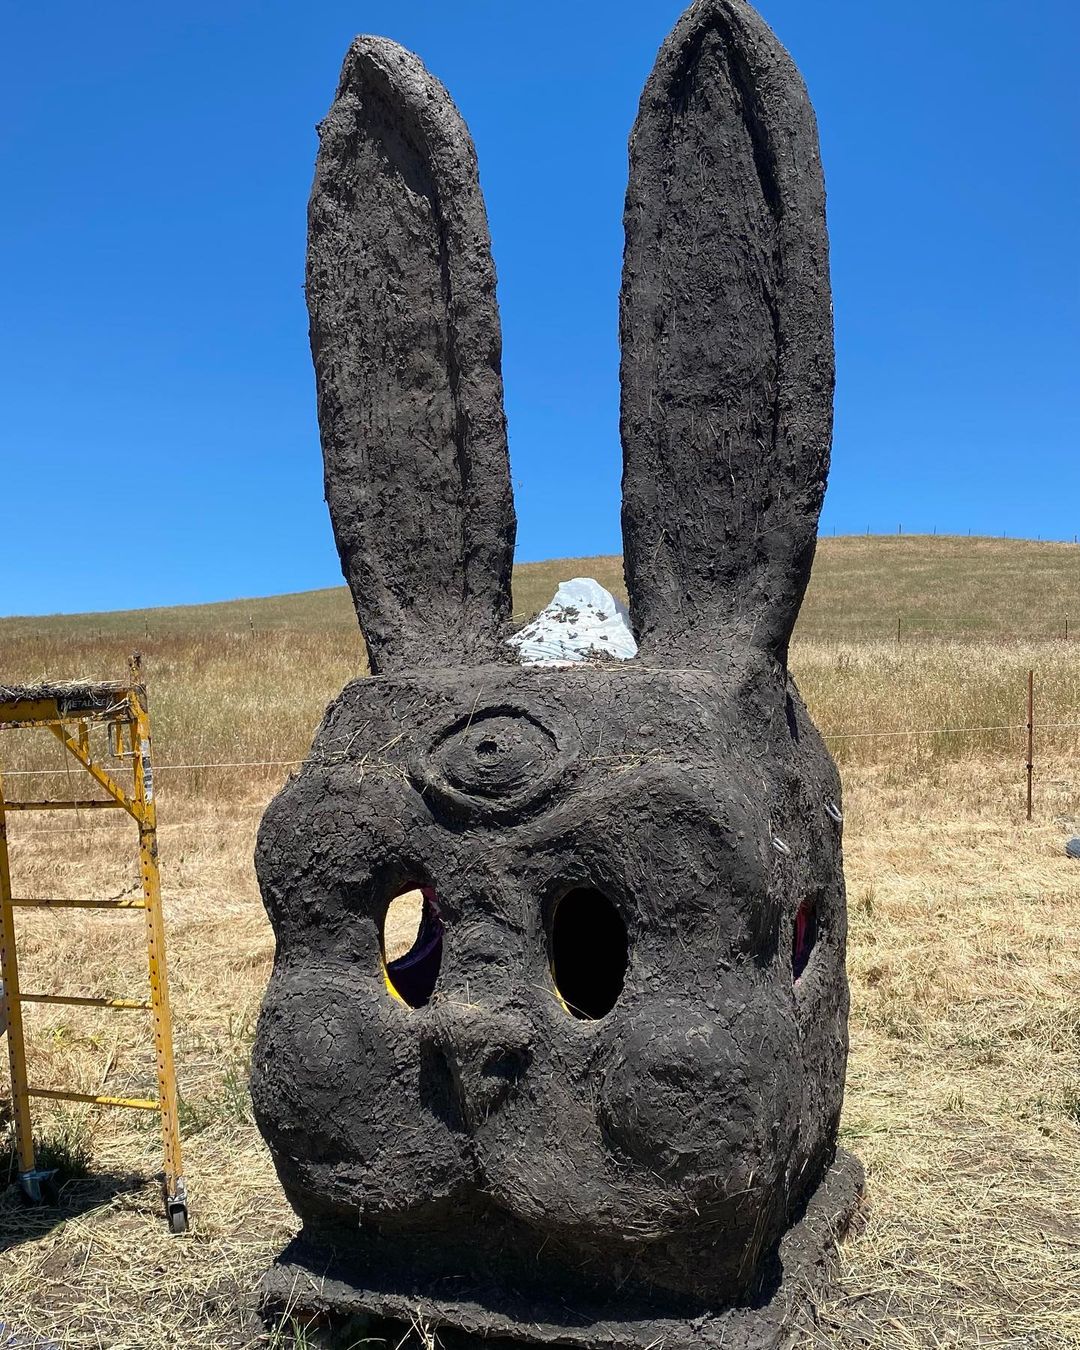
[963, 1086]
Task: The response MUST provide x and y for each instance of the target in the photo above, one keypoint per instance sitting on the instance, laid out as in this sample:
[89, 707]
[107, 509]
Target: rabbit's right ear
[407, 350]
[726, 327]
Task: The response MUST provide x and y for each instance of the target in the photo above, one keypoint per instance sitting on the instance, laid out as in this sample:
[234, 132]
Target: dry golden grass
[940, 586]
[248, 680]
[863, 692]
[964, 1081]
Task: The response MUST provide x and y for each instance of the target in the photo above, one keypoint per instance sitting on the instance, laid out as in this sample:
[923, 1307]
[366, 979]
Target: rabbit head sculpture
[612, 1078]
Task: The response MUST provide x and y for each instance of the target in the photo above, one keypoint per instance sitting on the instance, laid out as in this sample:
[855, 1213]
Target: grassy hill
[964, 953]
[940, 586]
[946, 587]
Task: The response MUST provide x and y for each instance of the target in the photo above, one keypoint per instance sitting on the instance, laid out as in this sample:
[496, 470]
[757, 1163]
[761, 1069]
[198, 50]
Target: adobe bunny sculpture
[602, 1109]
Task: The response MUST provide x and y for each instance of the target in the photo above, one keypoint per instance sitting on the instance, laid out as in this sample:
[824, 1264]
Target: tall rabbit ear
[726, 328]
[407, 350]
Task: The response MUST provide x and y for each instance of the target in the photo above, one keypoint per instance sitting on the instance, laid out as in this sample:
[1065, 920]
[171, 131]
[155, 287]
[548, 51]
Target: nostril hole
[506, 1064]
[590, 949]
[412, 942]
[804, 936]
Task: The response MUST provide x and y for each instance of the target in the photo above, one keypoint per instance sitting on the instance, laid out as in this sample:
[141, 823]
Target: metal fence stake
[1030, 738]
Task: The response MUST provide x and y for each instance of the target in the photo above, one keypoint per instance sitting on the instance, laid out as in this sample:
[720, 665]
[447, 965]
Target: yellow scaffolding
[68, 711]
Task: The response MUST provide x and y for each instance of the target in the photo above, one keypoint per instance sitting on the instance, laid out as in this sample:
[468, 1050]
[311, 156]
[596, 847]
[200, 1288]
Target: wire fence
[164, 768]
[836, 737]
[826, 735]
[105, 825]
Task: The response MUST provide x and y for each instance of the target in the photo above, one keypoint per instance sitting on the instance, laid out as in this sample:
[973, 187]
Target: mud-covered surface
[407, 348]
[476, 1313]
[606, 1081]
[727, 345]
[663, 1146]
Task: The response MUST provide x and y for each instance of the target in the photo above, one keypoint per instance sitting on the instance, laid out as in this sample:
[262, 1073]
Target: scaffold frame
[68, 711]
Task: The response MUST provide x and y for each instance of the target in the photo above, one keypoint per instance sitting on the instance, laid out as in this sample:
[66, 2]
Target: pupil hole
[488, 748]
[590, 949]
[412, 942]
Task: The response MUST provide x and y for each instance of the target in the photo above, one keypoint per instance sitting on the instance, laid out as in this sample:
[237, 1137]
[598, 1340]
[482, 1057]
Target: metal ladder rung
[78, 1001]
[31, 902]
[95, 805]
[94, 1099]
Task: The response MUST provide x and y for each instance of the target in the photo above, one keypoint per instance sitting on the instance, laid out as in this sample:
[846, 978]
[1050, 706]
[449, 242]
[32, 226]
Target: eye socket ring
[495, 763]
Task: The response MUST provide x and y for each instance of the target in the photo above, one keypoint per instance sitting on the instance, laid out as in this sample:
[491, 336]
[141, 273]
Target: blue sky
[157, 420]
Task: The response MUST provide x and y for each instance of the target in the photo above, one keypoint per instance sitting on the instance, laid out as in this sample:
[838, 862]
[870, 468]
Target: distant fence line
[898, 732]
[163, 768]
[1028, 727]
[898, 633]
[877, 629]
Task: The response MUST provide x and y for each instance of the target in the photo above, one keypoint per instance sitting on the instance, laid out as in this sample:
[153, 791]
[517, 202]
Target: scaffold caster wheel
[178, 1216]
[39, 1187]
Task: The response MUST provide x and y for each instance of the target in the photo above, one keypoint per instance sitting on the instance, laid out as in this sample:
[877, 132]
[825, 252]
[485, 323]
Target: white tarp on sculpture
[583, 622]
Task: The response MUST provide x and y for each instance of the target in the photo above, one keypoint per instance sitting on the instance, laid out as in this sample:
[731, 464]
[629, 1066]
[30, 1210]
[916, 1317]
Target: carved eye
[494, 763]
[497, 756]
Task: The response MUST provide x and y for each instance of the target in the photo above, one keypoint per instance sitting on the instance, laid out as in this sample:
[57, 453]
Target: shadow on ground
[21, 1221]
[352, 1333]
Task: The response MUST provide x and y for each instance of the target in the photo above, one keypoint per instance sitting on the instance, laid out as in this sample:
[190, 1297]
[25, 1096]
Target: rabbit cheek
[692, 1099]
[324, 1034]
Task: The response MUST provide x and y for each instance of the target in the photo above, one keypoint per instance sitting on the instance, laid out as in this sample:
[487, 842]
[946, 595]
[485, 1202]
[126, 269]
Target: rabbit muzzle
[486, 1055]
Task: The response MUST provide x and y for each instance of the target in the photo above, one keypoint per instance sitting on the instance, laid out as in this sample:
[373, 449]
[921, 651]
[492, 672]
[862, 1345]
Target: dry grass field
[964, 1080]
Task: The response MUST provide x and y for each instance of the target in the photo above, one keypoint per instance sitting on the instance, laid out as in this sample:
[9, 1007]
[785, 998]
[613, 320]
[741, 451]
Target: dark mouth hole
[803, 938]
[589, 952]
[412, 942]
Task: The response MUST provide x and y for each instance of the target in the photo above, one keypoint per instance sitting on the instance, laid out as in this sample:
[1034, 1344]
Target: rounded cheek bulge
[338, 1081]
[700, 1101]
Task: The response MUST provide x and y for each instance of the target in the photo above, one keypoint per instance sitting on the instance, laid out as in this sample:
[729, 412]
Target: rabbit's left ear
[726, 327]
[406, 343]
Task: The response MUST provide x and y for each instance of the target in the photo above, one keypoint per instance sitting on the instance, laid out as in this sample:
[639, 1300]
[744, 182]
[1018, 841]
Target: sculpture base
[309, 1279]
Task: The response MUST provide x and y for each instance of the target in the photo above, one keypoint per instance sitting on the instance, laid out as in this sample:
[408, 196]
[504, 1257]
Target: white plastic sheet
[583, 622]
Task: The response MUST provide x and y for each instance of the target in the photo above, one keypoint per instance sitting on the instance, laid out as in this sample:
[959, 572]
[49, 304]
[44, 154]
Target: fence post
[1030, 736]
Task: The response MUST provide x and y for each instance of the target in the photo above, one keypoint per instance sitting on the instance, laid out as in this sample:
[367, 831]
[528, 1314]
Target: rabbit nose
[487, 1053]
